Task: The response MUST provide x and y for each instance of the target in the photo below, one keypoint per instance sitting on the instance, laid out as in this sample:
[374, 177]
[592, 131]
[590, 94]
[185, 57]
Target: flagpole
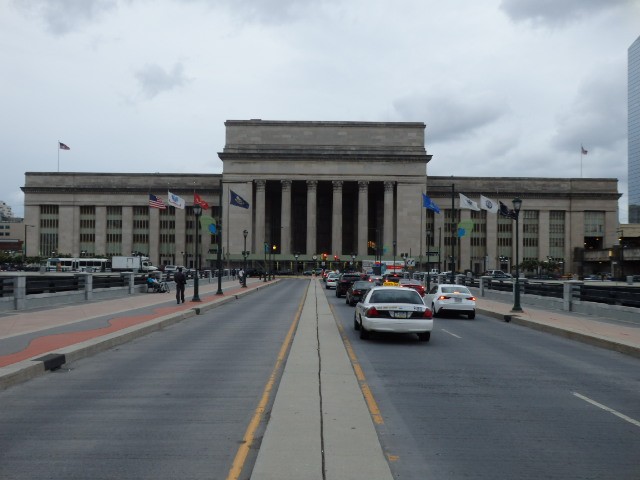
[58, 156]
[453, 229]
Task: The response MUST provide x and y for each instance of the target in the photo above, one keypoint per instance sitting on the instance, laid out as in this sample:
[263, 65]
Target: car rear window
[399, 296]
[464, 290]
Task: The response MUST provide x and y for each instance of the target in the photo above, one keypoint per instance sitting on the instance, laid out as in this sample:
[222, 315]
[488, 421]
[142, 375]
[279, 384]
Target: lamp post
[353, 260]
[621, 240]
[273, 261]
[296, 255]
[517, 204]
[197, 211]
[394, 256]
[266, 268]
[244, 255]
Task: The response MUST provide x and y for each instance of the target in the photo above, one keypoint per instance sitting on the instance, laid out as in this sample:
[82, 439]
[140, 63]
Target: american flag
[63, 146]
[156, 202]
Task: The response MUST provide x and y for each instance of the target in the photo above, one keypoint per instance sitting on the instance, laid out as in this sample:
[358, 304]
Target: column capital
[363, 185]
[260, 184]
[312, 184]
[337, 184]
[388, 186]
[286, 184]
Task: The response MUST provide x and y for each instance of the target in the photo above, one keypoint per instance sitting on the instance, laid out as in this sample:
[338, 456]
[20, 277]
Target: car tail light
[471, 298]
[427, 313]
[443, 297]
[372, 312]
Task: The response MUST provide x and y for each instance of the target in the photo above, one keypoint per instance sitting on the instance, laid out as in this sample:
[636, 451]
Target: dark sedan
[345, 281]
[357, 291]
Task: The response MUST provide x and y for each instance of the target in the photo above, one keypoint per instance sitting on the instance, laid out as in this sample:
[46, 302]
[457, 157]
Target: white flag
[488, 204]
[466, 202]
[176, 201]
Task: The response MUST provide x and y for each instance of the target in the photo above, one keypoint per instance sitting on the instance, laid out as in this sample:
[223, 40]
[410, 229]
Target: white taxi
[393, 309]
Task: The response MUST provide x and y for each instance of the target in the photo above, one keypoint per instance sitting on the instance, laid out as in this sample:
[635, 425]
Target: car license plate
[458, 300]
[401, 314]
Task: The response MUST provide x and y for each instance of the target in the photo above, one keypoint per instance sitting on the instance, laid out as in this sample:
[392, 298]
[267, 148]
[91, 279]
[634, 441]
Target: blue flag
[237, 200]
[430, 204]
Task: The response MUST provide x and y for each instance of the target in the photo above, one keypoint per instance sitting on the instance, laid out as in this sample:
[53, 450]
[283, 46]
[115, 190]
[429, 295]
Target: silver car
[395, 310]
[332, 280]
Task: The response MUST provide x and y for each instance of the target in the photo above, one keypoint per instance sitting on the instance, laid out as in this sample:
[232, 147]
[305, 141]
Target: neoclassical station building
[306, 191]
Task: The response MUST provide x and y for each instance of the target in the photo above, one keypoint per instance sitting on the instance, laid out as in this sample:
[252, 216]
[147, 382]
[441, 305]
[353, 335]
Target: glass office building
[634, 131]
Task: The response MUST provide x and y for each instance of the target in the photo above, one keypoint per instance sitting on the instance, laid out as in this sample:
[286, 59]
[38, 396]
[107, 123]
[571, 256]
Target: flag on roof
[197, 200]
[488, 204]
[156, 202]
[176, 201]
[237, 200]
[466, 202]
[63, 146]
[583, 151]
[429, 204]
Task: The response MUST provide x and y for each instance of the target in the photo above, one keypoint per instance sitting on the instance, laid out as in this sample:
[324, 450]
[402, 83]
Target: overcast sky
[506, 87]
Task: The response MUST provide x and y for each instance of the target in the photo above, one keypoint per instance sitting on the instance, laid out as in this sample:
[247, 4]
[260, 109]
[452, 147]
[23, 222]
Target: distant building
[5, 211]
[350, 191]
[634, 131]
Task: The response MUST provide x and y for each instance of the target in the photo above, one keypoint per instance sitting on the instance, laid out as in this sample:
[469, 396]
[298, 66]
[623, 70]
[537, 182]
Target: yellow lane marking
[374, 411]
[249, 436]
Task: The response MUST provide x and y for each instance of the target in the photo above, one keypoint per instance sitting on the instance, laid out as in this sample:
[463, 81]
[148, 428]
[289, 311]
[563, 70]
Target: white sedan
[393, 309]
[451, 298]
[332, 280]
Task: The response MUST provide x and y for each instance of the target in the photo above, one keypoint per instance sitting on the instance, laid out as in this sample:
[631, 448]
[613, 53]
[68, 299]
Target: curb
[34, 367]
[571, 335]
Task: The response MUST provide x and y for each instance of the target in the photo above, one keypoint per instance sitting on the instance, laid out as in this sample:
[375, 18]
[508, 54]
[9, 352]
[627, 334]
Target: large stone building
[302, 190]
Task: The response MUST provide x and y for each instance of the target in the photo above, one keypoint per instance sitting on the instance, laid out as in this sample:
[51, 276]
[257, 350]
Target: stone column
[312, 224]
[336, 219]
[285, 218]
[260, 207]
[387, 238]
[363, 217]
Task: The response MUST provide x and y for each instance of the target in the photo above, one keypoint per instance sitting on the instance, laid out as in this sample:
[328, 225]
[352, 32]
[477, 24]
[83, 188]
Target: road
[482, 399]
[172, 405]
[486, 399]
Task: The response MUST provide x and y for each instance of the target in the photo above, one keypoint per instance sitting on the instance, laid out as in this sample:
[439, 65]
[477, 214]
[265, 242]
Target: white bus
[77, 264]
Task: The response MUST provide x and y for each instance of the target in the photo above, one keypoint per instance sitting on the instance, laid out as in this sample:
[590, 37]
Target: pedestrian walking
[181, 281]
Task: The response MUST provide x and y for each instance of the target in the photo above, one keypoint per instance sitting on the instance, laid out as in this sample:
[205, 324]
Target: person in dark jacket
[181, 281]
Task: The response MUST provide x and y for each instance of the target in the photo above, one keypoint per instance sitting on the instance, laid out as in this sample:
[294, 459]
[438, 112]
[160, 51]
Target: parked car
[344, 282]
[497, 274]
[409, 283]
[357, 290]
[394, 310]
[331, 280]
[451, 298]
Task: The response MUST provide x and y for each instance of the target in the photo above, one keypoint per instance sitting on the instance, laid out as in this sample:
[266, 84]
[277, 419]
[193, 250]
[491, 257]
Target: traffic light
[324, 256]
[336, 258]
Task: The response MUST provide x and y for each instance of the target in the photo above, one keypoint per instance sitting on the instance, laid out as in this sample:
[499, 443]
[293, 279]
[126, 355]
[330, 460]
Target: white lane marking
[452, 334]
[610, 410]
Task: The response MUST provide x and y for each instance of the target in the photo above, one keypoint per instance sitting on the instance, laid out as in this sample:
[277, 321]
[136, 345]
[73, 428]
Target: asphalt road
[172, 405]
[486, 399]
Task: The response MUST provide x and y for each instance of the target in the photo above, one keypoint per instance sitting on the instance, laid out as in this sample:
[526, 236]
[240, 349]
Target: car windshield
[400, 295]
[360, 285]
[464, 290]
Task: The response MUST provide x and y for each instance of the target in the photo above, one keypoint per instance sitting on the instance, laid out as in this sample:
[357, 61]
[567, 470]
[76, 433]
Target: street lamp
[296, 255]
[517, 204]
[353, 260]
[244, 255]
[266, 268]
[273, 261]
[197, 211]
[394, 256]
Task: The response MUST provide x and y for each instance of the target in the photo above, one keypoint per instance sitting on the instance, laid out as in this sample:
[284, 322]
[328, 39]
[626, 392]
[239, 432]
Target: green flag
[208, 223]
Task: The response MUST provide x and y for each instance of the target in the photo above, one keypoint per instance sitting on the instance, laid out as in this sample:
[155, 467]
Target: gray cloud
[155, 80]
[454, 116]
[598, 116]
[64, 16]
[556, 12]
